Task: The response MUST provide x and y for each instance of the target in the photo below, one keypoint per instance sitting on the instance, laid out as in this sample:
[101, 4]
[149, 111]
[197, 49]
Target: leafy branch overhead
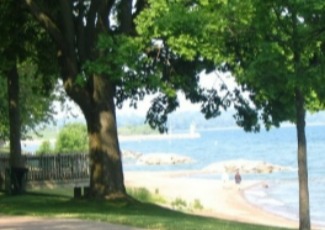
[141, 64]
[26, 49]
[177, 38]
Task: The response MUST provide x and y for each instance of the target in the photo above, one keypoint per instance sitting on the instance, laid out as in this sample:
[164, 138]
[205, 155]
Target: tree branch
[81, 40]
[91, 19]
[68, 30]
[126, 18]
[139, 7]
[46, 22]
[103, 15]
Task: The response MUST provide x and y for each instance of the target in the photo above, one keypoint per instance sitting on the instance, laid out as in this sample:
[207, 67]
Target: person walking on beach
[237, 177]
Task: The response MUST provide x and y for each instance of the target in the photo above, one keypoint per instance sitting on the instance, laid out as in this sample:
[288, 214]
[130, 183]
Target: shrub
[179, 203]
[72, 138]
[197, 205]
[141, 194]
[45, 148]
[144, 195]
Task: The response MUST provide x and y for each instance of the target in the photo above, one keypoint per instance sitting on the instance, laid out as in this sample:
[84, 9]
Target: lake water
[278, 146]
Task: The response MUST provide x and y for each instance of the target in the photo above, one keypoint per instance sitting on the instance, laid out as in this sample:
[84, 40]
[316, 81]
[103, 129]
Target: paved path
[36, 223]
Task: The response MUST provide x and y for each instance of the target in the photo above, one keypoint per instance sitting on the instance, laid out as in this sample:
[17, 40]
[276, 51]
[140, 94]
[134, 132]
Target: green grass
[59, 203]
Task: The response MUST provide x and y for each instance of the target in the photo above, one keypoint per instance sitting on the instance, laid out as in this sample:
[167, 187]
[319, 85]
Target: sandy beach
[219, 199]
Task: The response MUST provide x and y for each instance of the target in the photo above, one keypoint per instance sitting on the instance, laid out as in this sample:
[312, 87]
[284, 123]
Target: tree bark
[304, 215]
[97, 104]
[106, 171]
[14, 117]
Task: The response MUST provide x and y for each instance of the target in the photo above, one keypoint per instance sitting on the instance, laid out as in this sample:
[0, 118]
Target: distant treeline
[137, 129]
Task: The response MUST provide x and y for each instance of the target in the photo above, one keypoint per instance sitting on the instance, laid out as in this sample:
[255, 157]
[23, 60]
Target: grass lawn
[60, 203]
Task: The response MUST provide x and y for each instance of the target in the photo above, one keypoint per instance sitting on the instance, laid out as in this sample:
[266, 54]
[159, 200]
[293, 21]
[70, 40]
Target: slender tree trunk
[304, 215]
[14, 117]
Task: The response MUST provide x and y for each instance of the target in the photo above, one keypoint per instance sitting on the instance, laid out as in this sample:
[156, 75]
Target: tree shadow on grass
[124, 211]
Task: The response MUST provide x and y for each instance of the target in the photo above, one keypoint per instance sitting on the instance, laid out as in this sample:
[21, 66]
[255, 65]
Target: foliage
[278, 58]
[36, 99]
[144, 195]
[19, 47]
[197, 205]
[190, 37]
[136, 130]
[59, 203]
[72, 138]
[45, 148]
[35, 108]
[279, 49]
[179, 204]
[165, 57]
[162, 47]
[111, 51]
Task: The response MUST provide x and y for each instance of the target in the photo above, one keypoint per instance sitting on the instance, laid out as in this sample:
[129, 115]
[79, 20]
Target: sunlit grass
[144, 195]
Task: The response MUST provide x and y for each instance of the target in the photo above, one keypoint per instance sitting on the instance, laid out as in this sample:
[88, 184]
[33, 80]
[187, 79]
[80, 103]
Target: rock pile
[128, 154]
[156, 158]
[164, 159]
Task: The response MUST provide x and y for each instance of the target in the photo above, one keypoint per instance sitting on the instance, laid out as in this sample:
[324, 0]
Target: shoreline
[219, 200]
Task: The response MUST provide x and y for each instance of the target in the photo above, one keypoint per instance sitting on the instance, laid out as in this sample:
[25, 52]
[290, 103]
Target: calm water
[279, 146]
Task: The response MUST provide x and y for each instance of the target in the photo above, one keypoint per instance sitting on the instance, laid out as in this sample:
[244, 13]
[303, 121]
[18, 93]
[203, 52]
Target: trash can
[15, 180]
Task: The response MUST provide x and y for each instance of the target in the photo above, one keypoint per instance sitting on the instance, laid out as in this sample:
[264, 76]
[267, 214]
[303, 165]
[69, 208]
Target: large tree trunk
[304, 216]
[106, 172]
[14, 117]
[96, 101]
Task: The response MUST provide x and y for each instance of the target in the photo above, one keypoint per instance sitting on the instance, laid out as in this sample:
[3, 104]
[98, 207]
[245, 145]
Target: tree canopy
[281, 50]
[277, 51]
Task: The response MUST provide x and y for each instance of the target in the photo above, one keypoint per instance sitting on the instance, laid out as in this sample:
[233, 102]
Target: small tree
[278, 57]
[72, 138]
[45, 148]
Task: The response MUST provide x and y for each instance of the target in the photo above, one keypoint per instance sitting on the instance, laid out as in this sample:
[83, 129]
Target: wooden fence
[52, 167]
